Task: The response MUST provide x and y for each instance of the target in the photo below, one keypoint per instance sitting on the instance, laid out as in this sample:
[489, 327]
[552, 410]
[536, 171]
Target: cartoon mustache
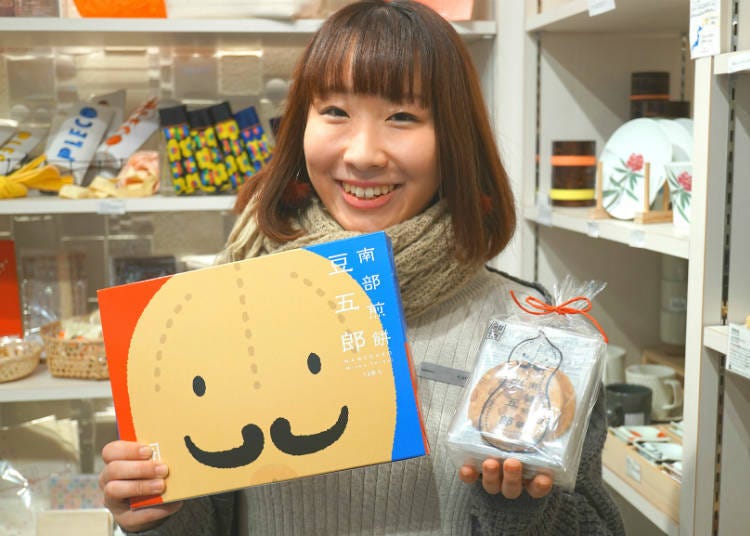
[253, 442]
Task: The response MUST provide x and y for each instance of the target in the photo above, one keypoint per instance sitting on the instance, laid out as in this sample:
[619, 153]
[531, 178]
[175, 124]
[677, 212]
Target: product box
[267, 369]
[10, 304]
[647, 478]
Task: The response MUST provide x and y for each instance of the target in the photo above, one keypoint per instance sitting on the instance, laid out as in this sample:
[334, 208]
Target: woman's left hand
[506, 479]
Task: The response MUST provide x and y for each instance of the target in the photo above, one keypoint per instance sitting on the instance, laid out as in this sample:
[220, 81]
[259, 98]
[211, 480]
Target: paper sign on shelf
[704, 32]
[738, 355]
[597, 7]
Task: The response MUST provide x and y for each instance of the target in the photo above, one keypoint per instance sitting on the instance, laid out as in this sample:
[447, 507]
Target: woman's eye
[405, 117]
[333, 111]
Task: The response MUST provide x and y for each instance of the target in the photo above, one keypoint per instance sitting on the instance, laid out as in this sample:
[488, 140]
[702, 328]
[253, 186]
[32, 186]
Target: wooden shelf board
[646, 16]
[659, 237]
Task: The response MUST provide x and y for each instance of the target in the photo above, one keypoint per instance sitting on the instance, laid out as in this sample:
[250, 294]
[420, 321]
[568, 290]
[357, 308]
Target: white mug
[667, 399]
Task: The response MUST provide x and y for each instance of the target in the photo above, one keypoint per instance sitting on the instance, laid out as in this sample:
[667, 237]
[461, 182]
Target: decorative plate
[623, 163]
[681, 138]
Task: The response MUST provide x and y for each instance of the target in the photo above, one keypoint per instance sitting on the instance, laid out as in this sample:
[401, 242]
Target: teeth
[367, 193]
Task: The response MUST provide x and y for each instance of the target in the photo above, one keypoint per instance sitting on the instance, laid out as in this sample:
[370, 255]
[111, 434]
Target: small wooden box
[645, 477]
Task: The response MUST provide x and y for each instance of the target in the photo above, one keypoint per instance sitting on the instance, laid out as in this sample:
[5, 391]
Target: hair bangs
[365, 57]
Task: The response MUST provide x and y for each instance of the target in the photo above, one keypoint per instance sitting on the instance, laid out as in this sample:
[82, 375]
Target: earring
[297, 192]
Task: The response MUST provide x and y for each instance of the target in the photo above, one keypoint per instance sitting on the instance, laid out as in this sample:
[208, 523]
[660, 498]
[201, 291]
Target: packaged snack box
[267, 369]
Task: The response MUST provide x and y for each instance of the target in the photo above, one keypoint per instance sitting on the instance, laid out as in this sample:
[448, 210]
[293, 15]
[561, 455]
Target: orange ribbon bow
[562, 309]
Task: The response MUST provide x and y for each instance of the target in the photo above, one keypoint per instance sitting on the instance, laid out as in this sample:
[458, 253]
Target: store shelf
[653, 514]
[631, 16]
[41, 385]
[659, 237]
[732, 62]
[156, 203]
[47, 31]
[716, 338]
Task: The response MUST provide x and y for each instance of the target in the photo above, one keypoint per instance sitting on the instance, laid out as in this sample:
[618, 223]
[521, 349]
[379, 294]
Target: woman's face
[372, 162]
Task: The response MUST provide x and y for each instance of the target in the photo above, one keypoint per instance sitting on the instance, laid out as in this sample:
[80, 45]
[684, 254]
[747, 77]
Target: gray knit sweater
[423, 495]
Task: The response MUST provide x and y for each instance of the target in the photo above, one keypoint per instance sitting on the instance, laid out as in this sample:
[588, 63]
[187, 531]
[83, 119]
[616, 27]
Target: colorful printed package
[267, 369]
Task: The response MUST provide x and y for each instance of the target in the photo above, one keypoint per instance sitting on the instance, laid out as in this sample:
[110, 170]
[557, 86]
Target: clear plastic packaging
[534, 383]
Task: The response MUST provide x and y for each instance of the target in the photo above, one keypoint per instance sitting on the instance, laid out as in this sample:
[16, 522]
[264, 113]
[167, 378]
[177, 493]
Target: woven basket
[66, 358]
[18, 358]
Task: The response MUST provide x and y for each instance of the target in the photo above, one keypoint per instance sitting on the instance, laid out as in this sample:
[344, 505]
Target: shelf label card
[704, 33]
[111, 206]
[738, 355]
[632, 468]
[592, 229]
[637, 239]
[543, 210]
[739, 61]
[597, 7]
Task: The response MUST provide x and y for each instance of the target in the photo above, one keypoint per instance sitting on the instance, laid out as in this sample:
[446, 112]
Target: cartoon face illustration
[237, 392]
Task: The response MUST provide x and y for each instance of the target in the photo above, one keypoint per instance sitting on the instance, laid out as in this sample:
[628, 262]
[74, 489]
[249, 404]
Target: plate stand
[598, 212]
[653, 216]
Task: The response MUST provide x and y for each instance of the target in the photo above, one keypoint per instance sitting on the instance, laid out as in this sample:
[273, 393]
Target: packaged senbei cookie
[533, 386]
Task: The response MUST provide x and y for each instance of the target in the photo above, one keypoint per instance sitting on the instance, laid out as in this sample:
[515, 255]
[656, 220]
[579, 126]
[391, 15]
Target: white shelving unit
[716, 338]
[41, 385]
[41, 31]
[576, 83]
[661, 237]
[24, 37]
[576, 71]
[156, 203]
[656, 516]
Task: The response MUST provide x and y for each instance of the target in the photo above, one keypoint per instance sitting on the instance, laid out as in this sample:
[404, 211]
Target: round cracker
[517, 405]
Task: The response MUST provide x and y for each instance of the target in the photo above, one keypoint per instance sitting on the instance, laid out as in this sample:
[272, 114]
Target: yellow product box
[279, 367]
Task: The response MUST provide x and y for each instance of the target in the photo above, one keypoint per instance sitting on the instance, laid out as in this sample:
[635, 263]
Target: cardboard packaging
[645, 477]
[10, 305]
[267, 369]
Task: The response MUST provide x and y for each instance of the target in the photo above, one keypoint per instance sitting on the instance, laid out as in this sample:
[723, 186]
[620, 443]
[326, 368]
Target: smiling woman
[384, 128]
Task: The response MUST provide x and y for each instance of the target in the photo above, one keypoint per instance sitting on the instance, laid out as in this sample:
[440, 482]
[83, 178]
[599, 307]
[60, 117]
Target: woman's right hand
[130, 472]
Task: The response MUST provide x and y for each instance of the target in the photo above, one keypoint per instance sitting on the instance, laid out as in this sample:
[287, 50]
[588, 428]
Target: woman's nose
[364, 149]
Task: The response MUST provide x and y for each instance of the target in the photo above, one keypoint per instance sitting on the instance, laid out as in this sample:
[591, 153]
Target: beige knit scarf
[428, 272]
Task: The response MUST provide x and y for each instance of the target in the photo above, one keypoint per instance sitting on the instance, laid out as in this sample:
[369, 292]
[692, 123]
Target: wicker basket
[66, 358]
[18, 358]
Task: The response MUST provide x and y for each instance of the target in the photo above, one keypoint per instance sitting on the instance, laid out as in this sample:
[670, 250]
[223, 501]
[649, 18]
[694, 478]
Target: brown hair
[390, 49]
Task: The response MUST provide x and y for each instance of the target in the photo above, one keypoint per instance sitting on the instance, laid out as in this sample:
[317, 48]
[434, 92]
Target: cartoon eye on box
[268, 369]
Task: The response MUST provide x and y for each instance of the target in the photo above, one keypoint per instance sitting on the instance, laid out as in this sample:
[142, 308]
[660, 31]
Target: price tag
[111, 207]
[738, 355]
[704, 28]
[597, 7]
[637, 239]
[632, 468]
[739, 62]
[592, 229]
[543, 211]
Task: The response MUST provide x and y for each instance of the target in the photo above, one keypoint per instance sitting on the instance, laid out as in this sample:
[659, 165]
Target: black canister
[573, 173]
[649, 93]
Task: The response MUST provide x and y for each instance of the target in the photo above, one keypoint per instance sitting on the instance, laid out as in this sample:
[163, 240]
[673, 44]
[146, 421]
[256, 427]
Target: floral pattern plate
[623, 162]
